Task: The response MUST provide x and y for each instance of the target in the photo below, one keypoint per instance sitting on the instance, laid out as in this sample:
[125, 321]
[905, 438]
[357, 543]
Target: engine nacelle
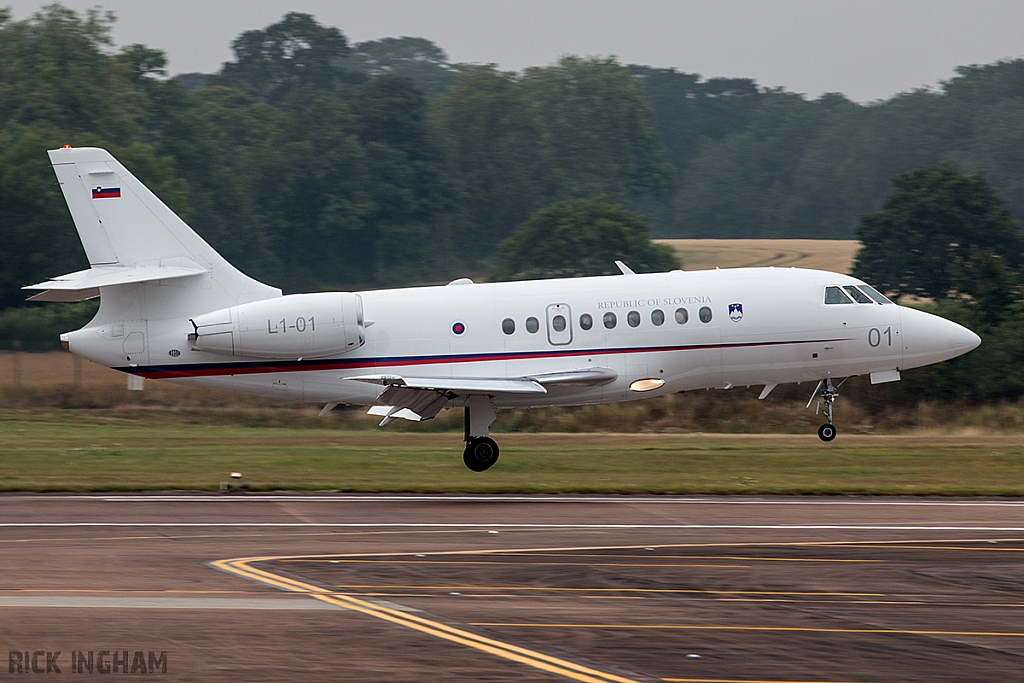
[292, 326]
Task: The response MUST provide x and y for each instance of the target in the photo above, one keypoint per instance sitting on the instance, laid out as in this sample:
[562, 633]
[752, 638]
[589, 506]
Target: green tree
[941, 233]
[686, 110]
[742, 185]
[311, 181]
[296, 52]
[413, 202]
[222, 141]
[56, 69]
[143, 62]
[578, 238]
[490, 143]
[512, 144]
[417, 59]
[596, 132]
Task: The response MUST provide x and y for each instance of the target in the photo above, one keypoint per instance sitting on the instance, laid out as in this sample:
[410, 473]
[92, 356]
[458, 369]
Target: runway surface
[496, 588]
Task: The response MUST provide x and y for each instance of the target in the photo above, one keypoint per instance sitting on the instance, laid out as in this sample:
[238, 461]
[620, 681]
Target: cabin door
[559, 324]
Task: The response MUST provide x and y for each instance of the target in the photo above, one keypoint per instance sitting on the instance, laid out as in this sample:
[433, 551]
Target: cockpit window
[857, 295]
[835, 295]
[874, 294]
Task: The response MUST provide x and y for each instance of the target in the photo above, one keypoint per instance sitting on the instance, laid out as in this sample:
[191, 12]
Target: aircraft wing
[421, 398]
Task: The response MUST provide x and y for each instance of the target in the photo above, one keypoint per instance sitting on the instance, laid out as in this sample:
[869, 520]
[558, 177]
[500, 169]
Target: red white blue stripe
[106, 192]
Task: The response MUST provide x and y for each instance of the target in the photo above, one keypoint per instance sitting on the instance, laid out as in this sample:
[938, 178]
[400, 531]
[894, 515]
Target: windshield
[874, 294]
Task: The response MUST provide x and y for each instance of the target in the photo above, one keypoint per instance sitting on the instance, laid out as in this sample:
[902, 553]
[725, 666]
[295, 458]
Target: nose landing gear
[828, 394]
[827, 432]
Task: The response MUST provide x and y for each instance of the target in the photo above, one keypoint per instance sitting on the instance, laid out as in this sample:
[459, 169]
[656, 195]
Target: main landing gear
[828, 395]
[481, 453]
[481, 450]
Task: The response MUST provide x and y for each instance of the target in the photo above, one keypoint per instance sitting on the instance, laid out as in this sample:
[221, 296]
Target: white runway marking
[440, 525]
[669, 500]
[162, 603]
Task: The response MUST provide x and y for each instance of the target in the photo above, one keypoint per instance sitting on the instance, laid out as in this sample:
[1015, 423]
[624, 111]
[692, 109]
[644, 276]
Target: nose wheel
[827, 432]
[827, 395]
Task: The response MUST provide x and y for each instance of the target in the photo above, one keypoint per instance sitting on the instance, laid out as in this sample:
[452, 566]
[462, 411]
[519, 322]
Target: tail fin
[126, 230]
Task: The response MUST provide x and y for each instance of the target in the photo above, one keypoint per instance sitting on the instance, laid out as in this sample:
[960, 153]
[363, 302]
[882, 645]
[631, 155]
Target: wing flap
[458, 385]
[408, 404]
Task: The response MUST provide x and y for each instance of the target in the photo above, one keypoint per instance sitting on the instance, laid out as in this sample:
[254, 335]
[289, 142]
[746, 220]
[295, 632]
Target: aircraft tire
[827, 432]
[481, 453]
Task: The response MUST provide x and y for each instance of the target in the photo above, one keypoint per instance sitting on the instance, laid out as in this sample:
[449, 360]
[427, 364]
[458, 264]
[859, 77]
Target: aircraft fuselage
[780, 331]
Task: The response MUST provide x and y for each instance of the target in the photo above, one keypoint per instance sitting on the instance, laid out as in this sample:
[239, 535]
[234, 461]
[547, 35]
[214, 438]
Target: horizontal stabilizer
[85, 284]
[65, 295]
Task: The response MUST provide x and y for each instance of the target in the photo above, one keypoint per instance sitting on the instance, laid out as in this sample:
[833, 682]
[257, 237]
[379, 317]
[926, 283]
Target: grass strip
[90, 451]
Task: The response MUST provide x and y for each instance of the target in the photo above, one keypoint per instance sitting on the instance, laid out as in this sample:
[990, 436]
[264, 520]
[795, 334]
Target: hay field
[706, 254]
[55, 368]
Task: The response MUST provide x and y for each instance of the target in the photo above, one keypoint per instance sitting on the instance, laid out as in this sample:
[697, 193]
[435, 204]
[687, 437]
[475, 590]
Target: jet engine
[287, 327]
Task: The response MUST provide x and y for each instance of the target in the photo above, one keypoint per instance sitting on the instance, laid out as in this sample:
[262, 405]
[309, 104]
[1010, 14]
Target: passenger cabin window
[658, 316]
[835, 295]
[508, 325]
[558, 323]
[532, 325]
[586, 321]
[874, 294]
[609, 320]
[633, 319]
[705, 314]
[682, 315]
[858, 296]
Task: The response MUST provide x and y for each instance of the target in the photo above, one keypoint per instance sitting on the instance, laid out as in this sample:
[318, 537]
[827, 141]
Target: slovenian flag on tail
[105, 192]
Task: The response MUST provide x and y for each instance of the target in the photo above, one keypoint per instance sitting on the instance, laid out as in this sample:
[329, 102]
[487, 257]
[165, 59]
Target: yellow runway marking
[520, 564]
[357, 586]
[699, 557]
[537, 660]
[945, 547]
[719, 627]
[736, 680]
[4, 591]
[243, 567]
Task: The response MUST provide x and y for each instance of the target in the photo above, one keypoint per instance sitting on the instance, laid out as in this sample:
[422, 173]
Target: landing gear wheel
[481, 453]
[827, 432]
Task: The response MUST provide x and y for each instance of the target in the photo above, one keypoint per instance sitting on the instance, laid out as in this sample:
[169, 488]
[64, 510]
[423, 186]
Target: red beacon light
[66, 147]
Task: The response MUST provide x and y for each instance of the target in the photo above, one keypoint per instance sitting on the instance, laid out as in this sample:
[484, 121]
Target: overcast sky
[868, 49]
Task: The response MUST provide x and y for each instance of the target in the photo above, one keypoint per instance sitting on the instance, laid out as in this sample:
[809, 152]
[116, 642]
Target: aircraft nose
[962, 339]
[930, 339]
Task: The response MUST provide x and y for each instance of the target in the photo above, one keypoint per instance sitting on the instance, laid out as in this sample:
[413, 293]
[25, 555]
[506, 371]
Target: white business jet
[172, 308]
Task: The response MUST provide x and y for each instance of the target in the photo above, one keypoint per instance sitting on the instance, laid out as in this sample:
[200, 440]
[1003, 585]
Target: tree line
[306, 161]
[311, 163]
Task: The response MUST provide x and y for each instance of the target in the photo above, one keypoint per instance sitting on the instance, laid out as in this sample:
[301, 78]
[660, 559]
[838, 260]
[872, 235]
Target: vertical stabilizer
[124, 225]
